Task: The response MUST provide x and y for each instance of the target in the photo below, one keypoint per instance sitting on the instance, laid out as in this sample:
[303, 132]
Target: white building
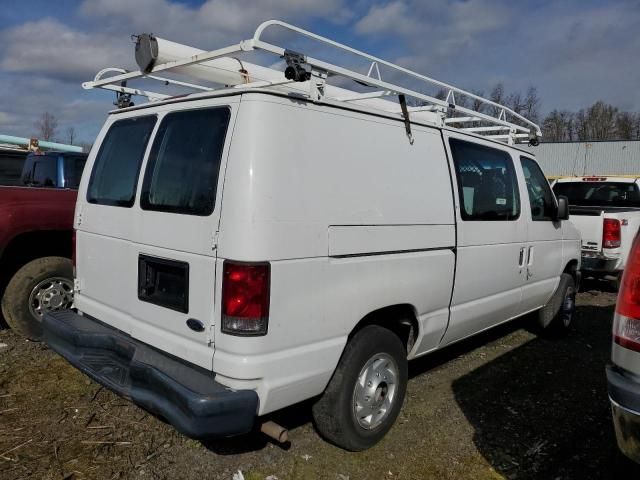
[589, 158]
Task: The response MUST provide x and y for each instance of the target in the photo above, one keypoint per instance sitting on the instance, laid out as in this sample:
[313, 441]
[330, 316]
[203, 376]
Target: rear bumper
[185, 395]
[601, 264]
[624, 394]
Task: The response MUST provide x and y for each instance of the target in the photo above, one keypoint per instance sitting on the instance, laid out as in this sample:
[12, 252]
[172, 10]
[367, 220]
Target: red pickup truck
[36, 230]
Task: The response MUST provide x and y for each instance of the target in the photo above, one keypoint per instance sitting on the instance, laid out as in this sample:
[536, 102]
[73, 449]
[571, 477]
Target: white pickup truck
[606, 210]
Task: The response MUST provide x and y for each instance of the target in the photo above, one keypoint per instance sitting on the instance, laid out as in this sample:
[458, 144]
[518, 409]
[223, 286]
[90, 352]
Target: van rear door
[146, 223]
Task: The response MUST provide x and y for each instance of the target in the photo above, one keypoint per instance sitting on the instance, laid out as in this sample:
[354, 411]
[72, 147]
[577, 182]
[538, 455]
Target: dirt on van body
[506, 404]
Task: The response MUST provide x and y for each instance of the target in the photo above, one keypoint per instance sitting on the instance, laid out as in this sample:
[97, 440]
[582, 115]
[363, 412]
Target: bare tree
[477, 105]
[601, 121]
[514, 102]
[581, 125]
[531, 104]
[626, 125]
[71, 135]
[497, 96]
[47, 125]
[558, 126]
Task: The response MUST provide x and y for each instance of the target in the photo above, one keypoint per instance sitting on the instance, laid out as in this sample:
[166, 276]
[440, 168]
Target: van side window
[541, 198]
[117, 166]
[487, 183]
[182, 171]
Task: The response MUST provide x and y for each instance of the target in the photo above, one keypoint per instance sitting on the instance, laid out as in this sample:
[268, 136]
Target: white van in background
[242, 250]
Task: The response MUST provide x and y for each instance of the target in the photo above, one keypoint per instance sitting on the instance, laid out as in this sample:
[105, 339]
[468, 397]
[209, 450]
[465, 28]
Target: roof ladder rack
[310, 76]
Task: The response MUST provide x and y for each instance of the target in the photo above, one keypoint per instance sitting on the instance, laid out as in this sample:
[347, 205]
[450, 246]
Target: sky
[574, 52]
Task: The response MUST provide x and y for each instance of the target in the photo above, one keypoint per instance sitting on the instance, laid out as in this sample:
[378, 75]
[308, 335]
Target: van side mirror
[563, 208]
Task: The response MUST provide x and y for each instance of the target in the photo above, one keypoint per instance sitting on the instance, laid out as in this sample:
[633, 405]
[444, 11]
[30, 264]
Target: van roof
[242, 91]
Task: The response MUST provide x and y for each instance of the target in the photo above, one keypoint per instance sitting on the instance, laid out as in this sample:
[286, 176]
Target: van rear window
[182, 171]
[115, 171]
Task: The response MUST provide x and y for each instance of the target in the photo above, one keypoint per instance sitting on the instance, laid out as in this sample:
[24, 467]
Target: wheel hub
[375, 391]
[49, 295]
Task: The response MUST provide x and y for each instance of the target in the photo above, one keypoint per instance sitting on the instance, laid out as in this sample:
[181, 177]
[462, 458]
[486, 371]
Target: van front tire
[44, 284]
[555, 318]
[367, 390]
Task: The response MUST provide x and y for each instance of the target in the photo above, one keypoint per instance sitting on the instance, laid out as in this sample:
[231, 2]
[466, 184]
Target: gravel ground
[506, 404]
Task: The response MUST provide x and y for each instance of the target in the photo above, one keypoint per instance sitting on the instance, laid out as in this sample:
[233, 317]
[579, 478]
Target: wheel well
[572, 269]
[400, 319]
[31, 245]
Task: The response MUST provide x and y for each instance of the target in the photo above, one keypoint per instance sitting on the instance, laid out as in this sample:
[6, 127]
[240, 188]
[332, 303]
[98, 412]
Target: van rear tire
[555, 318]
[44, 284]
[367, 390]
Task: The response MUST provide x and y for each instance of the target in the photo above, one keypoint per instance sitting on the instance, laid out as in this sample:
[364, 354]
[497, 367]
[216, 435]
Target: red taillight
[245, 298]
[626, 325]
[611, 233]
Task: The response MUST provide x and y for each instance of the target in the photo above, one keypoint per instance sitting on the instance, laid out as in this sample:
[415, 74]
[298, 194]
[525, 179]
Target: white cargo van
[243, 249]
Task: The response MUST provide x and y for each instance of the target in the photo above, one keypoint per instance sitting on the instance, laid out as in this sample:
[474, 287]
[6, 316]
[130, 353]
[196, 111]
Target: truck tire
[44, 284]
[616, 283]
[555, 318]
[366, 392]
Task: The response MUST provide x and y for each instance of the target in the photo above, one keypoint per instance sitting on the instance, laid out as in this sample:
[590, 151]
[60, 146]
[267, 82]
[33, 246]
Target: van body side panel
[315, 303]
[488, 283]
[296, 169]
[344, 237]
[370, 239]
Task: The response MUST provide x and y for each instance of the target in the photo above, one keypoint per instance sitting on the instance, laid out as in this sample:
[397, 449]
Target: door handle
[529, 263]
[521, 259]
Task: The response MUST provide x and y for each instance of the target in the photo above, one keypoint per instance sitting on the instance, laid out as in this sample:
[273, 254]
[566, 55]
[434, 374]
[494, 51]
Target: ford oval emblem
[195, 325]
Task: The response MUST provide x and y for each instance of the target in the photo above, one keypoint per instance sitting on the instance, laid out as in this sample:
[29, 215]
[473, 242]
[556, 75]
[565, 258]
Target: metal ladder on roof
[499, 123]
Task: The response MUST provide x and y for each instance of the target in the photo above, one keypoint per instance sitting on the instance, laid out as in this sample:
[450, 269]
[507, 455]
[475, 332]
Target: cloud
[575, 52]
[435, 27]
[212, 24]
[5, 118]
[392, 18]
[53, 49]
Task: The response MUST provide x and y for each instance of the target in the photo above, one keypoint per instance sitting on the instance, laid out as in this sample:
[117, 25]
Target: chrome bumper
[627, 426]
[624, 395]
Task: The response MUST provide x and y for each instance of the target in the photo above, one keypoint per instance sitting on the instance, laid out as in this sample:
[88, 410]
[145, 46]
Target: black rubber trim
[186, 395]
[624, 389]
[392, 252]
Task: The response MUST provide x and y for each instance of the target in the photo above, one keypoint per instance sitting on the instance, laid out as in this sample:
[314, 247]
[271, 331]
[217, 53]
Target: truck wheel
[555, 318]
[366, 392]
[40, 286]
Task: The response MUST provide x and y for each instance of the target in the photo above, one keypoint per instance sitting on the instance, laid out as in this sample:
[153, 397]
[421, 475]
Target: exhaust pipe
[275, 431]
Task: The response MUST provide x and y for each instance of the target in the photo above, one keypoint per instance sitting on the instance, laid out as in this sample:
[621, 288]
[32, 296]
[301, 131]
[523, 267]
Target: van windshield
[115, 171]
[599, 194]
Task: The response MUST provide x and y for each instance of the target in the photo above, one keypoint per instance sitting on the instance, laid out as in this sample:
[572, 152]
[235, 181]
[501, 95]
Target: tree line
[600, 121]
